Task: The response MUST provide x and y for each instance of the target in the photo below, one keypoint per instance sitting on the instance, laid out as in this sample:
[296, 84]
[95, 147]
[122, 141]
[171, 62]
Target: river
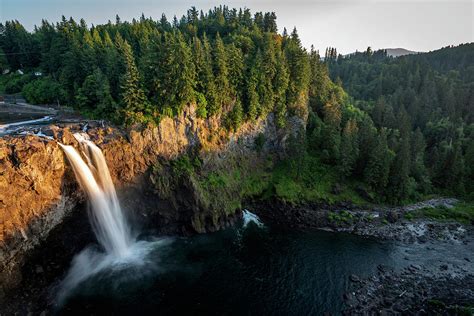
[248, 270]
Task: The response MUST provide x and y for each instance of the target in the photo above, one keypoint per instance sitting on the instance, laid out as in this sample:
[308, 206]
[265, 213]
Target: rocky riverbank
[38, 193]
[444, 286]
[389, 223]
[416, 290]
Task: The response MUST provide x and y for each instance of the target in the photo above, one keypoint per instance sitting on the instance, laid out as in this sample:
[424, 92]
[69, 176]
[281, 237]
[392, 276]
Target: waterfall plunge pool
[252, 268]
[243, 270]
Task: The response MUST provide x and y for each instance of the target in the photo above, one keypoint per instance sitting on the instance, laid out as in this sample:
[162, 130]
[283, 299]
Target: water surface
[247, 271]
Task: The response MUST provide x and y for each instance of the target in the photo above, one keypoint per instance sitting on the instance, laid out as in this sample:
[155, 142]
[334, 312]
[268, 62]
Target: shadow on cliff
[47, 265]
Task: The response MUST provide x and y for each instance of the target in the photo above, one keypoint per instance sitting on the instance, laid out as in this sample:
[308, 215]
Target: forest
[401, 127]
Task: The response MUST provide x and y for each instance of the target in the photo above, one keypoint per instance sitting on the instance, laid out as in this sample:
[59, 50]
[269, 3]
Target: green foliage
[94, 95]
[3, 61]
[44, 91]
[201, 102]
[349, 150]
[235, 117]
[380, 158]
[221, 72]
[259, 142]
[14, 83]
[343, 217]
[182, 166]
[409, 216]
[421, 103]
[462, 212]
[135, 103]
[313, 182]
[225, 61]
[402, 127]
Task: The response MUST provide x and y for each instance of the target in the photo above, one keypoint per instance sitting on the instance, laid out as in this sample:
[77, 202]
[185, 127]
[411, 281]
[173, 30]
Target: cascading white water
[107, 219]
[249, 217]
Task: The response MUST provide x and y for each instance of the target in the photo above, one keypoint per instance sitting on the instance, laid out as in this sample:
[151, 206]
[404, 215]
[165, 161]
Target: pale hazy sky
[348, 25]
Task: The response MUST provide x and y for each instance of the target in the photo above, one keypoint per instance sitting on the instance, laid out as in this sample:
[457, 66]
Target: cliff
[38, 188]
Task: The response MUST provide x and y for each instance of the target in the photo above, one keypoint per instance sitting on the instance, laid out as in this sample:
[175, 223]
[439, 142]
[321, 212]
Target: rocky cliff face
[36, 192]
[38, 189]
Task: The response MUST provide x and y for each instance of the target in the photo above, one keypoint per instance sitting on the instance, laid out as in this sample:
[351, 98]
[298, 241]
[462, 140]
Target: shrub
[44, 91]
[259, 142]
[14, 83]
[201, 101]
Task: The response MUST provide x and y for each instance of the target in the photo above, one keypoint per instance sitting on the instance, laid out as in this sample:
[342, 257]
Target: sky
[348, 25]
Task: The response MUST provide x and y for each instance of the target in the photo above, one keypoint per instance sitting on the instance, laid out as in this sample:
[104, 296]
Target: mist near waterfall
[119, 249]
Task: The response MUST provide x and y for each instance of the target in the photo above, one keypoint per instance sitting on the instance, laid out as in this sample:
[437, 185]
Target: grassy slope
[282, 180]
[462, 212]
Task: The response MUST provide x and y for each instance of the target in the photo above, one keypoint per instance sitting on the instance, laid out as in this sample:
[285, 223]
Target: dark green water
[244, 271]
[6, 118]
[237, 271]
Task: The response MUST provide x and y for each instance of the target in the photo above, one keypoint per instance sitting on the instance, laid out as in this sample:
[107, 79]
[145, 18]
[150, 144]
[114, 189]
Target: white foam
[249, 217]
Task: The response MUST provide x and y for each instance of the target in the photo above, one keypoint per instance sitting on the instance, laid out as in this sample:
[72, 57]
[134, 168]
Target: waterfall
[106, 216]
[250, 217]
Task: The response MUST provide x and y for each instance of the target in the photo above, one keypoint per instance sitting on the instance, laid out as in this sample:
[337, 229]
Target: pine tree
[235, 117]
[298, 64]
[418, 168]
[221, 72]
[208, 79]
[134, 100]
[184, 74]
[3, 61]
[94, 95]
[349, 150]
[280, 85]
[235, 62]
[267, 75]
[454, 170]
[331, 130]
[380, 157]
[251, 90]
[399, 183]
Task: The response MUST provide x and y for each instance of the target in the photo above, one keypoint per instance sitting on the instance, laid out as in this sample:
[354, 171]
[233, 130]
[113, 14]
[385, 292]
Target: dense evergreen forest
[424, 103]
[400, 127]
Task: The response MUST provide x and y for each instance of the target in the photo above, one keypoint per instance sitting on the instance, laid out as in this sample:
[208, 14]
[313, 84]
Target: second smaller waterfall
[250, 217]
[106, 216]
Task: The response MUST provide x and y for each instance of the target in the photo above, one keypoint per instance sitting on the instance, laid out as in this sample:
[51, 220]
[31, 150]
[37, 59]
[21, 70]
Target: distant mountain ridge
[392, 52]
[397, 52]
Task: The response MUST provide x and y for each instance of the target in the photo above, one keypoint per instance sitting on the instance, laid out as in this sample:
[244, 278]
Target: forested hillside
[145, 69]
[425, 104]
[394, 128]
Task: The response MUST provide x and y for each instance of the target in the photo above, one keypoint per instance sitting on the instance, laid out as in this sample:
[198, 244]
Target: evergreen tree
[135, 102]
[349, 147]
[221, 72]
[235, 62]
[208, 79]
[376, 173]
[3, 61]
[280, 85]
[298, 63]
[252, 94]
[399, 183]
[267, 75]
[94, 95]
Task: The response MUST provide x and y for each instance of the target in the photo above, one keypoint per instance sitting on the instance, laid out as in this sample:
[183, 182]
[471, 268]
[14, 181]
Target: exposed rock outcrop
[416, 290]
[379, 222]
[37, 186]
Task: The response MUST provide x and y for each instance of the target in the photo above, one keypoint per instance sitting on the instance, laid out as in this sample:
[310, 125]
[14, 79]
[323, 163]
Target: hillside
[397, 52]
[393, 130]
[428, 100]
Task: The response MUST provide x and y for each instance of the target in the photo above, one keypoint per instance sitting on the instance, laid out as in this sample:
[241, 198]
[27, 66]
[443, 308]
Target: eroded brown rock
[37, 186]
